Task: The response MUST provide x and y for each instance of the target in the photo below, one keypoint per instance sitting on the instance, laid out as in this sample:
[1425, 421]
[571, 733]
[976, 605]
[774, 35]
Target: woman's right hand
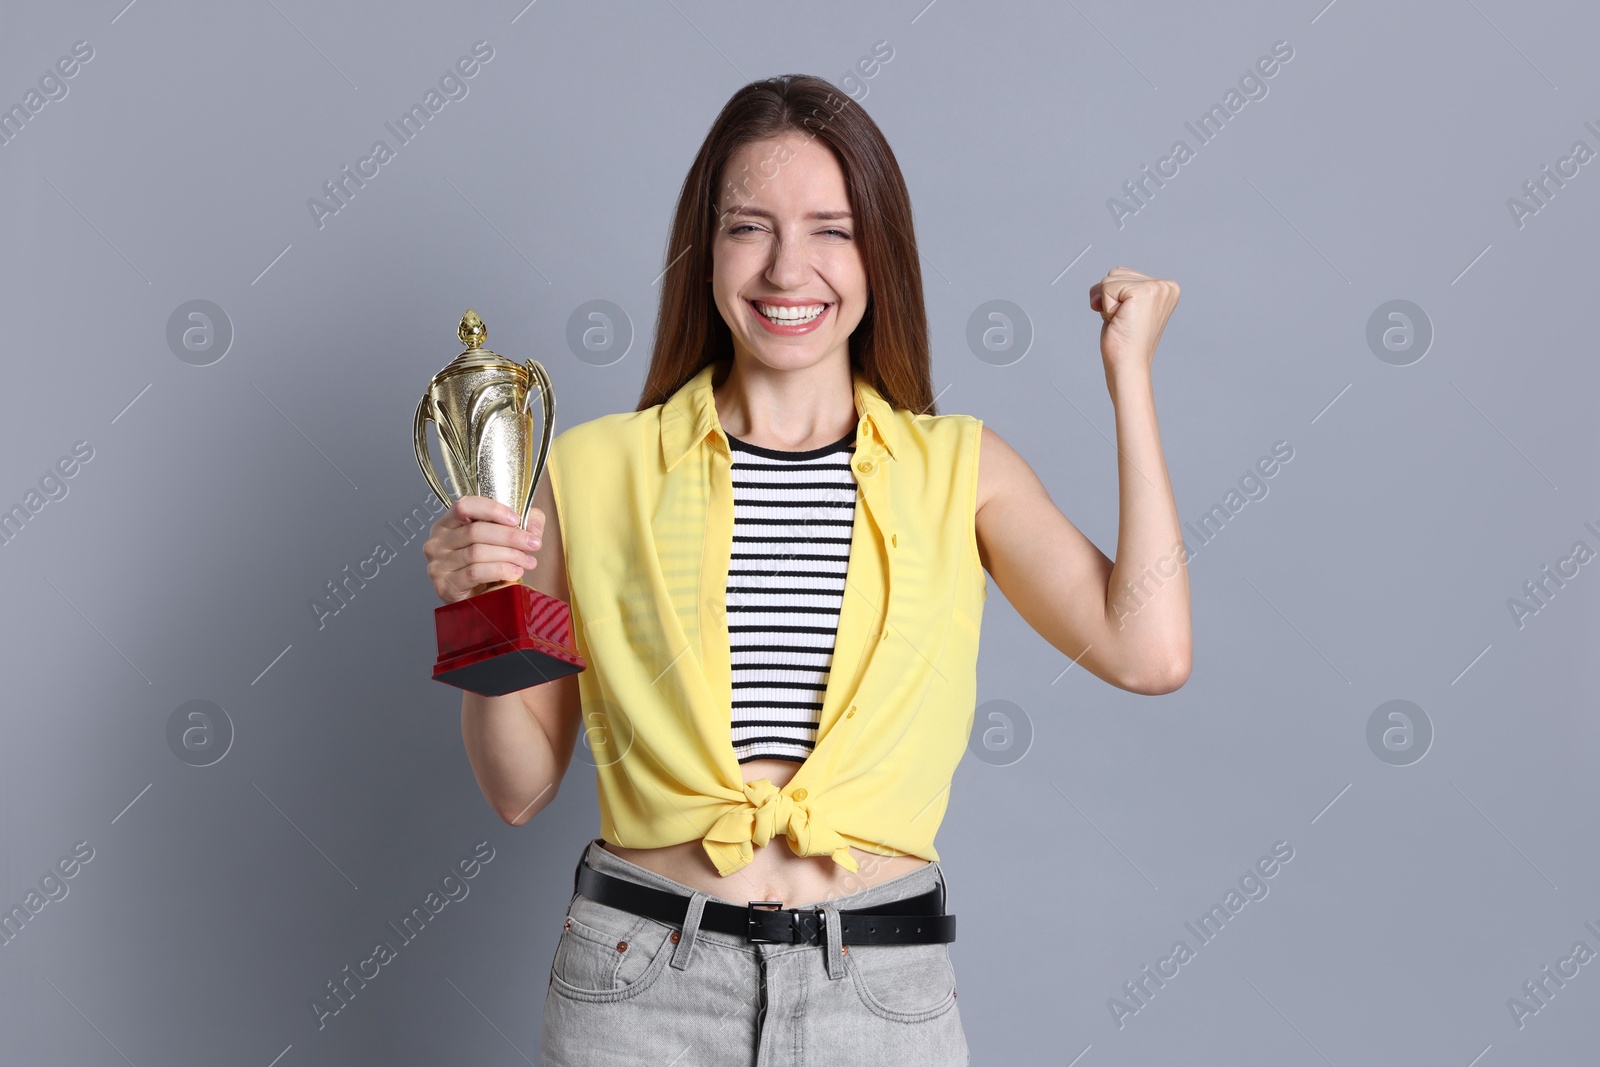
[478, 543]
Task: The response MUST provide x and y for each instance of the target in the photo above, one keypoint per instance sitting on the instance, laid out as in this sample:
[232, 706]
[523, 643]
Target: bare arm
[1127, 622]
[519, 744]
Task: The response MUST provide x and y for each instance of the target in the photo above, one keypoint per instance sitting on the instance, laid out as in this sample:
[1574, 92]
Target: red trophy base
[504, 639]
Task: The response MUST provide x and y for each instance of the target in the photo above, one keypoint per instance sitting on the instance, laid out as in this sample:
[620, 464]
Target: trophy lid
[473, 333]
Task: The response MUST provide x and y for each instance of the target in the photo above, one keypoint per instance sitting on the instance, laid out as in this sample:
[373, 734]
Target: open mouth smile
[789, 320]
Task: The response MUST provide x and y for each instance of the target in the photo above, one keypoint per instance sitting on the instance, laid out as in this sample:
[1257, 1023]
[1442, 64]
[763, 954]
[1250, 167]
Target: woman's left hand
[1135, 308]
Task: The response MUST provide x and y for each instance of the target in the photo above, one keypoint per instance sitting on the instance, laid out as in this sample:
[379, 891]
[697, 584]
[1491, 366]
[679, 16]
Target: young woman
[776, 572]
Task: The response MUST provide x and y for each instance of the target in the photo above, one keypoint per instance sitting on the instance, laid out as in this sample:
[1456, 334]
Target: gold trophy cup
[510, 636]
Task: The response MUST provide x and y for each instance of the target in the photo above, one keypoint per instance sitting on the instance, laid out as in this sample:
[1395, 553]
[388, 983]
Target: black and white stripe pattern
[792, 517]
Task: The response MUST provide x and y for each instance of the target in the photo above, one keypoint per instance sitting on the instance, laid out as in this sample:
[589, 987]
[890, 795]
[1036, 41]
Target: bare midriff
[774, 872]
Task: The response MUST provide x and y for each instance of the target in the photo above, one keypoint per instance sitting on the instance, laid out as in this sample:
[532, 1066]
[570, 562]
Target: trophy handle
[425, 461]
[547, 400]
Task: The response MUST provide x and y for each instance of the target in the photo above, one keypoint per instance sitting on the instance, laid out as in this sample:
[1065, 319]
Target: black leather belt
[913, 920]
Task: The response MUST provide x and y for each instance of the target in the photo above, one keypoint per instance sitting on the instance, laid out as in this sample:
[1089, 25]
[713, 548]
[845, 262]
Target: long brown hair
[890, 344]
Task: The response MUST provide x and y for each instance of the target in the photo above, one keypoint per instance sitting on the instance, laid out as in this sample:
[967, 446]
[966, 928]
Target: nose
[789, 268]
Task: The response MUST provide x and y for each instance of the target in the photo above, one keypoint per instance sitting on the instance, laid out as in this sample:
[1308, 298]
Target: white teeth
[793, 316]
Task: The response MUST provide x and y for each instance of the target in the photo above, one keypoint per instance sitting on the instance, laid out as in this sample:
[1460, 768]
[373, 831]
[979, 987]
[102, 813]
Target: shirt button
[799, 794]
[865, 466]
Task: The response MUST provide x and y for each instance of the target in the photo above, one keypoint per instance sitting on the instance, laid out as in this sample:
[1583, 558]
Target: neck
[791, 410]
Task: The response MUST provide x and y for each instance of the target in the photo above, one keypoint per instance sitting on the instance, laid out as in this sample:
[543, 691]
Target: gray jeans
[627, 989]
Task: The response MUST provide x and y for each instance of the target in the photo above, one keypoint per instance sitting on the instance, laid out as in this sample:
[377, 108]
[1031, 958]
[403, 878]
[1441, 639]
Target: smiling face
[787, 272]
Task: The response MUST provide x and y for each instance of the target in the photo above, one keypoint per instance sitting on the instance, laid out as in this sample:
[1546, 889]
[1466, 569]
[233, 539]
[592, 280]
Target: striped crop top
[792, 518]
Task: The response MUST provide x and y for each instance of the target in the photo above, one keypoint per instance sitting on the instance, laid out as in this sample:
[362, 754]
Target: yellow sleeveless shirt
[645, 505]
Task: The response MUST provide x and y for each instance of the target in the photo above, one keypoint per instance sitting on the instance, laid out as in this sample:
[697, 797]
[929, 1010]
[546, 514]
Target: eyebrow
[763, 213]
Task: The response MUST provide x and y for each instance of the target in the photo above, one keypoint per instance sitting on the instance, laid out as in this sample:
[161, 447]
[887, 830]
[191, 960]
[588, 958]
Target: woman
[776, 572]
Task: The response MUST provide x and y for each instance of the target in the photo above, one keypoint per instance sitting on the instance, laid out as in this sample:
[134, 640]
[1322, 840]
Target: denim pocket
[904, 983]
[607, 954]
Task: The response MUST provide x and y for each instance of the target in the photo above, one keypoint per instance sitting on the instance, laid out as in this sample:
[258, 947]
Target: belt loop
[834, 937]
[691, 930]
[583, 858]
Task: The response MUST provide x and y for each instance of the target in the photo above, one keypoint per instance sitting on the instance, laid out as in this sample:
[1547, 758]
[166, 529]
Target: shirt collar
[689, 416]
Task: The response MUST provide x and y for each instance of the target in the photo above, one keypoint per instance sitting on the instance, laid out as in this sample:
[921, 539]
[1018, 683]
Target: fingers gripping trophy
[508, 637]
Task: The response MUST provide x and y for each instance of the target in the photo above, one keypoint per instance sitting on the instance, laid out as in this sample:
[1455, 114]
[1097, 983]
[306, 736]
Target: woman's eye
[742, 227]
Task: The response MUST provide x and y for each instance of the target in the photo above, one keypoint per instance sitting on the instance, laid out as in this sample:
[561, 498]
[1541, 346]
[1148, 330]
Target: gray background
[1088, 824]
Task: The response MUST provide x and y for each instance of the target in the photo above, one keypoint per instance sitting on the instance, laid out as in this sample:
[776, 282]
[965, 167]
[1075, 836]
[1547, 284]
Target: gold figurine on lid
[472, 331]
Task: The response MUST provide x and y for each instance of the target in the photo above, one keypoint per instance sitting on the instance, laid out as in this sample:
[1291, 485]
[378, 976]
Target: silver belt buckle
[750, 922]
